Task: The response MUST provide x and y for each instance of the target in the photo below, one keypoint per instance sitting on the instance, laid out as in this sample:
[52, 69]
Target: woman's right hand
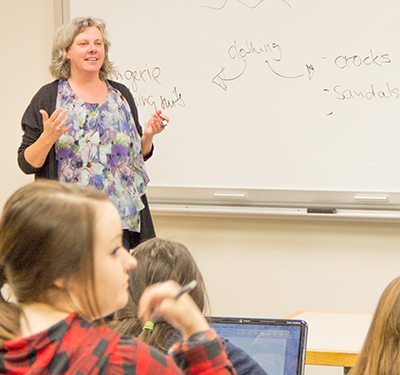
[54, 126]
[183, 313]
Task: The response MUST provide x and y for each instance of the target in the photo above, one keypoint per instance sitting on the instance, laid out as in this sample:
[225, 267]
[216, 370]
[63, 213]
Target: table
[334, 339]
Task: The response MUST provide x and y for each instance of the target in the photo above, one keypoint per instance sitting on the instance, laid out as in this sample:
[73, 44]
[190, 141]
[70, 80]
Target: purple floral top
[103, 149]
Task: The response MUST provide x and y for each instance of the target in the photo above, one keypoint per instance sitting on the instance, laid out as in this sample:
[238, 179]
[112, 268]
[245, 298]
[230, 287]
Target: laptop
[277, 345]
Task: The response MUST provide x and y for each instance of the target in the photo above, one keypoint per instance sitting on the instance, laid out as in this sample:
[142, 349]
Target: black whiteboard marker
[321, 210]
[164, 122]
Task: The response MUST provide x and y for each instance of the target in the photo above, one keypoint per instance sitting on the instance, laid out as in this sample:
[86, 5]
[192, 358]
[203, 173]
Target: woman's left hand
[155, 124]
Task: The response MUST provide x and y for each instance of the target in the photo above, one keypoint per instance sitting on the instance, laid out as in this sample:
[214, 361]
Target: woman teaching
[83, 127]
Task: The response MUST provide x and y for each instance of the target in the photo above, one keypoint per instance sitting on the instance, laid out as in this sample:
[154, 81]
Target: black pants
[130, 239]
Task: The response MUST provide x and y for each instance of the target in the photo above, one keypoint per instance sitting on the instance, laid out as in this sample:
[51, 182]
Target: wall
[257, 268]
[272, 268]
[268, 268]
[27, 28]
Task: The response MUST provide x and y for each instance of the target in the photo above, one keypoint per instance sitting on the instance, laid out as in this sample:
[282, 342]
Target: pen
[186, 288]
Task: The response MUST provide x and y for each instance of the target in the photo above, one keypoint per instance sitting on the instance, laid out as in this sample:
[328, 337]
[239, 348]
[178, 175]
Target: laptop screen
[277, 345]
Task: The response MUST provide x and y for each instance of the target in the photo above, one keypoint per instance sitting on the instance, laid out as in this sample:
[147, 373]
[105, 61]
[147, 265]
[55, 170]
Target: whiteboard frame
[263, 203]
[61, 12]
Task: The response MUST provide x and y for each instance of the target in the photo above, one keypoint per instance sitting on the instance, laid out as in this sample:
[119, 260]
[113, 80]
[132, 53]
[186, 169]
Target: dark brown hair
[157, 261]
[380, 354]
[46, 233]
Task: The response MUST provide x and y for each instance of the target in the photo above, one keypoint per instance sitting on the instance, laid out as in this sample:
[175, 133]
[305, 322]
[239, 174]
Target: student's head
[60, 67]
[161, 260]
[381, 351]
[60, 244]
[158, 260]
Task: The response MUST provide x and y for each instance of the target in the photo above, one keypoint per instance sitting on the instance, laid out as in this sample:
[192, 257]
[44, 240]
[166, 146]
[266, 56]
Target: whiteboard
[280, 95]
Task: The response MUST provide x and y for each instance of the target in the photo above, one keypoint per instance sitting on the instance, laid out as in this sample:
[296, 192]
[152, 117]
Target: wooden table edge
[323, 357]
[331, 358]
[297, 313]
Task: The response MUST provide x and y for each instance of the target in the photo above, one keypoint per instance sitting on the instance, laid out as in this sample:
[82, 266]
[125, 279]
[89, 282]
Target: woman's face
[111, 260]
[86, 53]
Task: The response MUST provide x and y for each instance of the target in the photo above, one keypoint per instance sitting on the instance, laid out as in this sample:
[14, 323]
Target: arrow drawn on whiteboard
[280, 75]
[246, 3]
[248, 6]
[222, 82]
[223, 6]
[310, 70]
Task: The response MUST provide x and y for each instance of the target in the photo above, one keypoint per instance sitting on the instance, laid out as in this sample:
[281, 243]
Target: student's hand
[158, 300]
[54, 126]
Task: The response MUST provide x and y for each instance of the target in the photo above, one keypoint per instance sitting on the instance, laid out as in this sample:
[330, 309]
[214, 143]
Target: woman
[83, 128]
[68, 269]
[380, 354]
[159, 261]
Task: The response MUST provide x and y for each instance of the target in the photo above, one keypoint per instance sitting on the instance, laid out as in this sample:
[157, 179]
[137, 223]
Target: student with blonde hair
[380, 354]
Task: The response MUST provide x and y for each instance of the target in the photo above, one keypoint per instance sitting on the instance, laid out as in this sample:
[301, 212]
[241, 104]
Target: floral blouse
[103, 149]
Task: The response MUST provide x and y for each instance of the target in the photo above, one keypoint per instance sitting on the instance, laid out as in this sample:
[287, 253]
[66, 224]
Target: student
[158, 261]
[380, 354]
[61, 253]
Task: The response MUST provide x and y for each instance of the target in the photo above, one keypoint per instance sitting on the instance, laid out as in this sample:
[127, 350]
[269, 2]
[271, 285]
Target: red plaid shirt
[75, 346]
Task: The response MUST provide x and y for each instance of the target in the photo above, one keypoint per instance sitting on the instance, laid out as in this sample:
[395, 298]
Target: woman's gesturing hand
[155, 124]
[54, 126]
[153, 127]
